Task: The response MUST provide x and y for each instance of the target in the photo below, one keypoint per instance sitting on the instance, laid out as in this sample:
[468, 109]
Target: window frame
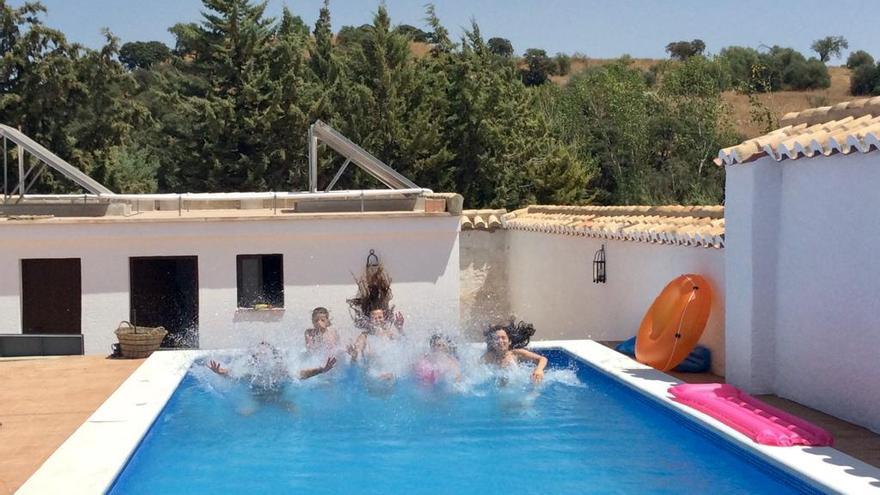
[274, 301]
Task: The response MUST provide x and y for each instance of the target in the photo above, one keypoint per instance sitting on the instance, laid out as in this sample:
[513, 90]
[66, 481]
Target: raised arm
[310, 372]
[356, 349]
[539, 360]
[216, 368]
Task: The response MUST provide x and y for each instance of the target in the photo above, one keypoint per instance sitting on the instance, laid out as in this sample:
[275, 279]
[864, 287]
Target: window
[260, 281]
[51, 296]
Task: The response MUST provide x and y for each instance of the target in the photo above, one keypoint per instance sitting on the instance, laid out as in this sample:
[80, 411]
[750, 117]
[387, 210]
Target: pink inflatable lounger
[761, 422]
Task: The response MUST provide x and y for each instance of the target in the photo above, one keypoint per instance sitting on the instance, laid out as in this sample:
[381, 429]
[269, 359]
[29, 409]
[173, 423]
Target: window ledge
[259, 310]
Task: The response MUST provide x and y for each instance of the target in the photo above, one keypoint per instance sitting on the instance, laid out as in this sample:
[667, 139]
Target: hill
[780, 102]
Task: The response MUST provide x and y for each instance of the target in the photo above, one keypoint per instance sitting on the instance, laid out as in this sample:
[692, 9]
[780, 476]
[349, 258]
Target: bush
[859, 58]
[789, 70]
[563, 64]
[740, 62]
[865, 80]
[697, 76]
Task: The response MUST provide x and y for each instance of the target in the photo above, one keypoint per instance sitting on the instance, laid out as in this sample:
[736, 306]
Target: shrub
[563, 64]
[859, 58]
[865, 80]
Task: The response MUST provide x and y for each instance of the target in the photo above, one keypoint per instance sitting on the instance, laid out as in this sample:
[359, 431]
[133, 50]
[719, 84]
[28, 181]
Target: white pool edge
[91, 458]
[89, 461]
[823, 467]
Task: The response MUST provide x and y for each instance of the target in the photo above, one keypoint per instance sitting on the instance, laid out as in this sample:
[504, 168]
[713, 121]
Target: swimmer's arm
[332, 337]
[456, 369]
[216, 368]
[310, 340]
[310, 372]
[539, 360]
[357, 348]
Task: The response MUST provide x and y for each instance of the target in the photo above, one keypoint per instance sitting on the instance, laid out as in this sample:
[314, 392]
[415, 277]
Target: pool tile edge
[823, 467]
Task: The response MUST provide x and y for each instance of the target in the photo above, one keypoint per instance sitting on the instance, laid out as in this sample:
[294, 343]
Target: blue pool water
[580, 432]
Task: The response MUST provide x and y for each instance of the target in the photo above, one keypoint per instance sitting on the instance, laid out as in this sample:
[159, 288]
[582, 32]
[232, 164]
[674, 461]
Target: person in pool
[505, 347]
[267, 372]
[381, 330]
[322, 336]
[440, 362]
[381, 326]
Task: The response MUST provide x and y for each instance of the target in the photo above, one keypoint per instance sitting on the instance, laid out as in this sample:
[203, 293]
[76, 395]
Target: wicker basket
[139, 342]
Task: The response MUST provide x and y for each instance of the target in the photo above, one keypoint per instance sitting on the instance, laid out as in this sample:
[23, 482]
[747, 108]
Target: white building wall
[321, 258]
[828, 285]
[551, 285]
[751, 233]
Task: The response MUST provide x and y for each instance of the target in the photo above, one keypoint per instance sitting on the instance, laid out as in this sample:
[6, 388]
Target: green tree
[143, 54]
[413, 33]
[683, 50]
[828, 46]
[865, 80]
[504, 153]
[859, 58]
[500, 46]
[539, 67]
[76, 102]
[227, 110]
[390, 108]
[654, 147]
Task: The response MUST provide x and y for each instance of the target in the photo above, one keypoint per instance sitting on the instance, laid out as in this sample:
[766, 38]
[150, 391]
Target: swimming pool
[107, 451]
[581, 432]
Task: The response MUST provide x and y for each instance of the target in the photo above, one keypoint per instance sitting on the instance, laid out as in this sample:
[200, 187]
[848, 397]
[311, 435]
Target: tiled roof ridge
[852, 108]
[842, 128]
[673, 224]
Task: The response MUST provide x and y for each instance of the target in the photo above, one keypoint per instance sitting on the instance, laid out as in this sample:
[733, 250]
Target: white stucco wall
[823, 328]
[551, 285]
[320, 257]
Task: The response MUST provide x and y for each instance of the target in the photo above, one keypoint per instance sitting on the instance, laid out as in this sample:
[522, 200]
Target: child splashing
[440, 363]
[267, 374]
[381, 327]
[505, 347]
[321, 338]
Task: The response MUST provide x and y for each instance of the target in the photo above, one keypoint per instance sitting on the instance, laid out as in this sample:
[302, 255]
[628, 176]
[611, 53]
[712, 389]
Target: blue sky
[598, 28]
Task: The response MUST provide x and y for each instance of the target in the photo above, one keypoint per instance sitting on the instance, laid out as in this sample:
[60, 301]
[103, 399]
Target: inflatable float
[698, 361]
[674, 323]
[761, 422]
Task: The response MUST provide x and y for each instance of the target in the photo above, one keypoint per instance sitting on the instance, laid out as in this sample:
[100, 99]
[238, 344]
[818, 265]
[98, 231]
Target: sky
[597, 28]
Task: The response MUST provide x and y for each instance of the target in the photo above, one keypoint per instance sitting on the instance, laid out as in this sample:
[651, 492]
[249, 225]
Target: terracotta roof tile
[842, 128]
[675, 225]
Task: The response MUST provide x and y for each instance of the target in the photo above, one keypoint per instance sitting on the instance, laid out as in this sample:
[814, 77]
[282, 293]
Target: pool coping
[825, 468]
[90, 460]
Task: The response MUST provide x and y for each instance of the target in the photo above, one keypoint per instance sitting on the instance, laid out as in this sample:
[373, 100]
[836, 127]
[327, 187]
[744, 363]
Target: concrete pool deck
[42, 402]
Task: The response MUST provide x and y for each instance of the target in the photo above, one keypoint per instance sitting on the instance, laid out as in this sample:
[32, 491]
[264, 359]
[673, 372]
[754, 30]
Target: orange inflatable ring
[674, 323]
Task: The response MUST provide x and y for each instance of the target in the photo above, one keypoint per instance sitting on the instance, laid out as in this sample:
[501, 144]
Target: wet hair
[374, 292]
[518, 333]
[444, 339]
[320, 310]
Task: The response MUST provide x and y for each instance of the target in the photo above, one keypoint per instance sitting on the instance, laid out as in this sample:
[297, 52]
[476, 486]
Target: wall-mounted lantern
[372, 260]
[599, 266]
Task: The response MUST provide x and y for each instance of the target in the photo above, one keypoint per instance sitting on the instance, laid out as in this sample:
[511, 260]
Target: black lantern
[599, 266]
[372, 260]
